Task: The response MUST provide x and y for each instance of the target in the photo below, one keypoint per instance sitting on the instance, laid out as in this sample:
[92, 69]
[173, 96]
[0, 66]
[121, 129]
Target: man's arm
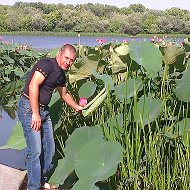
[68, 99]
[34, 85]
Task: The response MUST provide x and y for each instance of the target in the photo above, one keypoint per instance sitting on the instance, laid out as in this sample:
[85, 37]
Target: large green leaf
[8, 59]
[57, 177]
[116, 62]
[85, 183]
[147, 110]
[82, 70]
[7, 47]
[119, 58]
[147, 55]
[104, 159]
[106, 79]
[79, 138]
[182, 90]
[122, 50]
[171, 53]
[101, 158]
[8, 69]
[87, 89]
[95, 104]
[10, 88]
[187, 44]
[17, 140]
[127, 89]
[55, 108]
[85, 148]
[93, 54]
[96, 98]
[18, 72]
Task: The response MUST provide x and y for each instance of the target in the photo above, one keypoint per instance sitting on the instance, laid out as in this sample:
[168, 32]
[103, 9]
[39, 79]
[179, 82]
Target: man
[47, 75]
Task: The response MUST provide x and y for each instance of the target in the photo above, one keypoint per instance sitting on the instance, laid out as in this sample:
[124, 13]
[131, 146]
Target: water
[48, 43]
[9, 157]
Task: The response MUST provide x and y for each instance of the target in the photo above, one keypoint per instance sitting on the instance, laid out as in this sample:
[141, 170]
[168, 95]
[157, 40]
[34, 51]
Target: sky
[151, 4]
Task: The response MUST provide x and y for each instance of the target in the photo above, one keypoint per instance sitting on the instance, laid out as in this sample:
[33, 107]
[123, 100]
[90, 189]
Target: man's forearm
[70, 101]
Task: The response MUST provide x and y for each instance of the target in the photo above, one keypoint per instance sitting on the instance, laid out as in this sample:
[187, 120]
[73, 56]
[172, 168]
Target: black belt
[26, 96]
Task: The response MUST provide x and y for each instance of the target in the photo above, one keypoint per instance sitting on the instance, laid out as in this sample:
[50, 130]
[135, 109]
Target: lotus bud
[83, 101]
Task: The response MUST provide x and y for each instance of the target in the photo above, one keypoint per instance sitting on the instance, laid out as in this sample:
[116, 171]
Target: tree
[150, 24]
[38, 23]
[12, 19]
[116, 23]
[176, 12]
[3, 26]
[132, 24]
[26, 23]
[52, 19]
[138, 8]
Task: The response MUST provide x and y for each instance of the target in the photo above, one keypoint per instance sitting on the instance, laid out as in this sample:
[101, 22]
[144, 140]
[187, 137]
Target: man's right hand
[36, 122]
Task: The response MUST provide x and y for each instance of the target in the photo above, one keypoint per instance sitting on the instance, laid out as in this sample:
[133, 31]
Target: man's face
[67, 58]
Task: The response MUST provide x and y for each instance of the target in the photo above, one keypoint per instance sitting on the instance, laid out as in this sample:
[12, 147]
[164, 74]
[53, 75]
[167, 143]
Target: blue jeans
[40, 145]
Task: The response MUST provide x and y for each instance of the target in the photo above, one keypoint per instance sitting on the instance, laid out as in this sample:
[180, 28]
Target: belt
[26, 96]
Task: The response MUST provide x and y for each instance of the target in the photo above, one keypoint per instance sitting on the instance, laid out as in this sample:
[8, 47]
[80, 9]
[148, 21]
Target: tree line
[93, 18]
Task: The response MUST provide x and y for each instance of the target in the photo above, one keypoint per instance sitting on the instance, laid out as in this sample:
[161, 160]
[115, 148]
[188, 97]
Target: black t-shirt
[54, 77]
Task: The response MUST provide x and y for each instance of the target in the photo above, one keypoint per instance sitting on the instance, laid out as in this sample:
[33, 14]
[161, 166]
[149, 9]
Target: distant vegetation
[93, 18]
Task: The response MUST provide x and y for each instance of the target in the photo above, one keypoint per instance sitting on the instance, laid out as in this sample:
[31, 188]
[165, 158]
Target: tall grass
[155, 158]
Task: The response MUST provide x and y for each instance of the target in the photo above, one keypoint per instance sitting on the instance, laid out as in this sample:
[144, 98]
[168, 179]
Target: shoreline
[40, 33]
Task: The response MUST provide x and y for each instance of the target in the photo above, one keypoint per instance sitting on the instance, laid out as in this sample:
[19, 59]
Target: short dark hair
[68, 46]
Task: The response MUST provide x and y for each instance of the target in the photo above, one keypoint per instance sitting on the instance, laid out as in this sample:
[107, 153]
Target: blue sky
[151, 4]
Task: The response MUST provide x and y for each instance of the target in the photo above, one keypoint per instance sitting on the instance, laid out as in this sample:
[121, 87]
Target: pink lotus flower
[83, 101]
[101, 41]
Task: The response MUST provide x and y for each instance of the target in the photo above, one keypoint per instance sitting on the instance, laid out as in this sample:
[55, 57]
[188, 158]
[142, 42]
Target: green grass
[40, 33]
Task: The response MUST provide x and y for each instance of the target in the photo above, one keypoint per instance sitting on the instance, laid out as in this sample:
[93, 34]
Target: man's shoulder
[47, 60]
[45, 64]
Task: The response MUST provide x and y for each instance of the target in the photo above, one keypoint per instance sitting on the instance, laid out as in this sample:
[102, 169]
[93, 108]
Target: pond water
[48, 43]
[13, 158]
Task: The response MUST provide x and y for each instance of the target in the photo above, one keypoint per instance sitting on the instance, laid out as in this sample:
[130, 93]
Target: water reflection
[9, 157]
